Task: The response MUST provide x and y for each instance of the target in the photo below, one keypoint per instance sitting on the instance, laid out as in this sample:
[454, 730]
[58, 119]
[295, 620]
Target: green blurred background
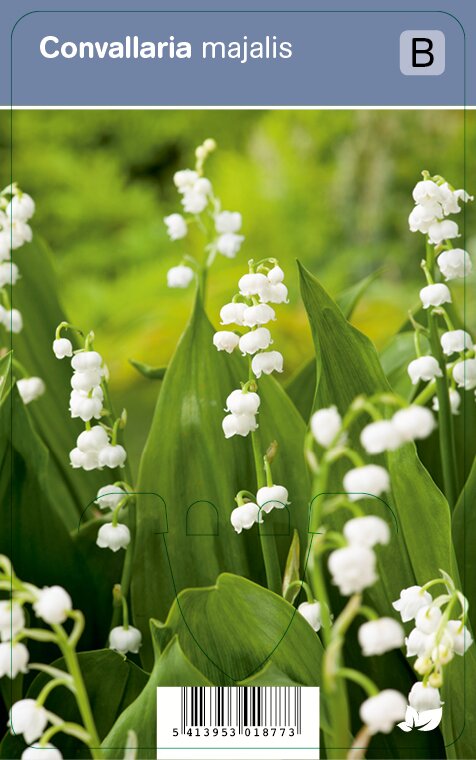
[332, 188]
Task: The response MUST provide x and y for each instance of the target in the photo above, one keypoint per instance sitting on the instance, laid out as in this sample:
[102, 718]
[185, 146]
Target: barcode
[241, 707]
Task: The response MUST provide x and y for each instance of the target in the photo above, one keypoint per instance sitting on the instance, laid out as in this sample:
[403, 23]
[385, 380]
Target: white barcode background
[220, 723]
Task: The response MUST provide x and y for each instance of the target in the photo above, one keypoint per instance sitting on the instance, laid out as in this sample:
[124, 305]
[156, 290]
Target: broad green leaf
[172, 668]
[112, 683]
[197, 473]
[301, 386]
[347, 365]
[36, 296]
[151, 373]
[231, 630]
[464, 539]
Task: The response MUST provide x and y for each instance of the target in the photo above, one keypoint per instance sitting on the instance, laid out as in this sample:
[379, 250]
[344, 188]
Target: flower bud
[382, 712]
[370, 479]
[112, 456]
[232, 313]
[454, 264]
[435, 295]
[239, 402]
[380, 636]
[311, 611]
[113, 537]
[245, 516]
[62, 347]
[272, 497]
[180, 277]
[53, 604]
[436, 680]
[224, 340]
[260, 314]
[415, 422]
[176, 226]
[271, 361]
[28, 718]
[423, 665]
[424, 697]
[255, 340]
[424, 368]
[30, 388]
[125, 640]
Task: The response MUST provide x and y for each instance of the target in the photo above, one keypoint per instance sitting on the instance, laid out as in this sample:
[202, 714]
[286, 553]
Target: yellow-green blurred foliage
[332, 188]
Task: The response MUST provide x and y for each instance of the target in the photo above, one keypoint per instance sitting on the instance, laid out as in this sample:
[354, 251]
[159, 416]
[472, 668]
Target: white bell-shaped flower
[62, 347]
[444, 230]
[454, 264]
[382, 712]
[194, 202]
[455, 341]
[28, 718]
[86, 360]
[239, 424]
[13, 659]
[255, 340]
[455, 402]
[425, 368]
[272, 497]
[417, 643]
[228, 221]
[422, 217]
[86, 406]
[369, 479]
[380, 636]
[225, 340]
[112, 456]
[108, 497]
[93, 439]
[275, 294]
[125, 640]
[410, 601]
[435, 295]
[176, 226]
[266, 363]
[239, 402]
[464, 374]
[9, 274]
[229, 244]
[45, 751]
[245, 516]
[311, 611]
[368, 531]
[449, 200]
[113, 537]
[85, 460]
[275, 275]
[30, 388]
[252, 284]
[414, 422]
[352, 568]
[427, 192]
[460, 635]
[21, 207]
[53, 604]
[326, 424]
[232, 313]
[185, 179]
[12, 619]
[427, 619]
[380, 436]
[13, 321]
[20, 233]
[261, 314]
[180, 276]
[423, 698]
[87, 380]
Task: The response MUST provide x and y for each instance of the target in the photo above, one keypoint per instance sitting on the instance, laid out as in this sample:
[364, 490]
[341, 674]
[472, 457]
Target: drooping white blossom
[13, 321]
[45, 751]
[239, 424]
[185, 179]
[414, 422]
[261, 314]
[435, 295]
[113, 537]
[425, 368]
[444, 230]
[381, 712]
[239, 402]
[108, 497]
[245, 516]
[9, 273]
[232, 313]
[180, 276]
[455, 341]
[123, 640]
[464, 374]
[367, 531]
[460, 635]
[228, 221]
[272, 497]
[62, 347]
[86, 360]
[266, 363]
[326, 424]
[30, 388]
[28, 718]
[428, 618]
[411, 600]
[53, 605]
[12, 619]
[455, 402]
[380, 636]
[417, 643]
[454, 264]
[14, 657]
[112, 456]
[275, 275]
[86, 406]
[369, 479]
[352, 568]
[225, 340]
[176, 226]
[255, 340]
[424, 697]
[311, 611]
[380, 436]
[252, 284]
[229, 244]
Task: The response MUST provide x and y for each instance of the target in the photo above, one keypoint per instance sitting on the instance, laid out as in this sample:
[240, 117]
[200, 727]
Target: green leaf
[172, 668]
[347, 365]
[112, 683]
[395, 358]
[292, 571]
[152, 373]
[197, 473]
[464, 539]
[36, 296]
[301, 387]
[231, 630]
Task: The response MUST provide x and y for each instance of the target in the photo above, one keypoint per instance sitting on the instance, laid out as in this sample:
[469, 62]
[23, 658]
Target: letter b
[422, 52]
[422, 47]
